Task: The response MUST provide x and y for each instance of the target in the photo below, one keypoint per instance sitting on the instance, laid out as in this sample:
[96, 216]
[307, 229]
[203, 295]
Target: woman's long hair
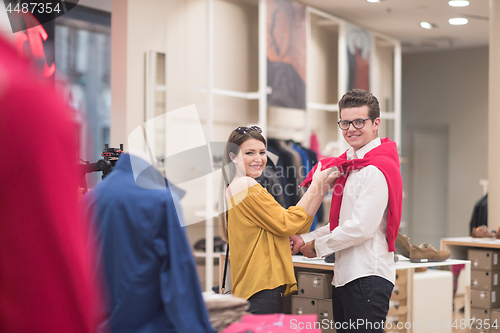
[233, 144]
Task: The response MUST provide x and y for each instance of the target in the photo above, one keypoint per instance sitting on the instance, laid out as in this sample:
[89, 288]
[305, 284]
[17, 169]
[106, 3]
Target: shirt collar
[363, 150]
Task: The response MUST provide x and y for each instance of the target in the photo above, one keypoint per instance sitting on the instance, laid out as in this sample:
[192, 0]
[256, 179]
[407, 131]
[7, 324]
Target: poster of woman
[286, 54]
[359, 50]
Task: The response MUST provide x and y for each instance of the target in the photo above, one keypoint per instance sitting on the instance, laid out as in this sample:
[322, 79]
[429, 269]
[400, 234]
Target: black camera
[106, 164]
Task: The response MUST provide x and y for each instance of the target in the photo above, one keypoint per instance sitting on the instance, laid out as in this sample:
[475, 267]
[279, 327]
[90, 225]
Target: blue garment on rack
[304, 158]
[308, 164]
[149, 269]
[313, 160]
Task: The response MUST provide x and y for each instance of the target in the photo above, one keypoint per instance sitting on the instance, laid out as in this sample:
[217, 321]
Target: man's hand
[296, 242]
[307, 250]
[325, 179]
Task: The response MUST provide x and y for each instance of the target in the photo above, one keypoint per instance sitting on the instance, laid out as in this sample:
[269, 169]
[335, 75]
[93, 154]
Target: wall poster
[359, 50]
[286, 54]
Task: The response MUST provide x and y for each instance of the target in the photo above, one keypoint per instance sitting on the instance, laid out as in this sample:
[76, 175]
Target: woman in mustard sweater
[257, 228]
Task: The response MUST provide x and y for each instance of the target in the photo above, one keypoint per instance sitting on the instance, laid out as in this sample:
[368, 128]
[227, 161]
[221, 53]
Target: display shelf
[491, 243]
[199, 254]
[403, 264]
[458, 246]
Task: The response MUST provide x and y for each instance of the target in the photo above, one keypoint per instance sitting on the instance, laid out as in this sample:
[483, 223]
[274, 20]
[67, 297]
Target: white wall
[450, 88]
[323, 85]
[104, 5]
[236, 64]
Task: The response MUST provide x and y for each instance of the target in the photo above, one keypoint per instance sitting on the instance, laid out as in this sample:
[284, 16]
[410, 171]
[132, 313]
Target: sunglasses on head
[244, 130]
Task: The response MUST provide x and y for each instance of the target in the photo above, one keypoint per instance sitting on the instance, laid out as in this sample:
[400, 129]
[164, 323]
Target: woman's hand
[296, 242]
[325, 179]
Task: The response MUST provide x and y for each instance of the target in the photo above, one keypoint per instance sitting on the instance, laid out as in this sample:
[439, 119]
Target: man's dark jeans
[267, 301]
[362, 305]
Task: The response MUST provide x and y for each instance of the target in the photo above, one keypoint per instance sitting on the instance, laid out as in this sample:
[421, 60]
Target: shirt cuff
[307, 237]
[321, 248]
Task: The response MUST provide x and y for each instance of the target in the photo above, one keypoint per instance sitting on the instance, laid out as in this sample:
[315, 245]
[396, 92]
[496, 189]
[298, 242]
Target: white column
[494, 117]
[209, 203]
[119, 42]
[263, 66]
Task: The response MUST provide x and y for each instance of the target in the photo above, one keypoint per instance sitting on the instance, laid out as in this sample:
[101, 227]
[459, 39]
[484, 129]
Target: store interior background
[444, 147]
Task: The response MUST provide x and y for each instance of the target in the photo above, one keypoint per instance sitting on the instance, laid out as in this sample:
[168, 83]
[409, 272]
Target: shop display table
[413, 308]
[458, 246]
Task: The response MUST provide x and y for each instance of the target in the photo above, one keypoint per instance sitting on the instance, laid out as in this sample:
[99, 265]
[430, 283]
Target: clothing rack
[283, 133]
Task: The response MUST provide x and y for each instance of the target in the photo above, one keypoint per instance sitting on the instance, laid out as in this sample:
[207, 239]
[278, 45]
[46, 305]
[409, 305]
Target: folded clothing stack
[224, 309]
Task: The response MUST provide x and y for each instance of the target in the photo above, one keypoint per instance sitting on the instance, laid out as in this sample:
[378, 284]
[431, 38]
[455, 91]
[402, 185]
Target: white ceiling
[401, 19]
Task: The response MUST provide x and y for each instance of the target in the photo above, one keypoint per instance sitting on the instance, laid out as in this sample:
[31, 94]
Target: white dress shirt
[360, 240]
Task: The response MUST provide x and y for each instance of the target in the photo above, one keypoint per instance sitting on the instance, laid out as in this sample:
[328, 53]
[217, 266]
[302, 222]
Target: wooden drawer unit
[484, 299]
[487, 260]
[485, 280]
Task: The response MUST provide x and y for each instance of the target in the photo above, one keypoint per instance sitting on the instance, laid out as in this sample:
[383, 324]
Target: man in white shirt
[364, 266]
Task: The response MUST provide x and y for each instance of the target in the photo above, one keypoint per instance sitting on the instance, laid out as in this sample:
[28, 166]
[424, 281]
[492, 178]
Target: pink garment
[455, 269]
[276, 323]
[314, 145]
[46, 263]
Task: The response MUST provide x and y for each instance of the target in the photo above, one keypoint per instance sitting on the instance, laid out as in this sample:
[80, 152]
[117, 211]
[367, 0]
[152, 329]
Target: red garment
[315, 145]
[385, 157]
[46, 266]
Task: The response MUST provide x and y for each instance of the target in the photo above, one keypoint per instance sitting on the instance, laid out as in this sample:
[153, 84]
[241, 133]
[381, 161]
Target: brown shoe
[482, 232]
[403, 245]
[498, 233]
[426, 253]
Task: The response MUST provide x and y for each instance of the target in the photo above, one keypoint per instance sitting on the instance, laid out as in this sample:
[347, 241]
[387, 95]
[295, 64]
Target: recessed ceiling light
[427, 25]
[458, 21]
[373, 0]
[458, 3]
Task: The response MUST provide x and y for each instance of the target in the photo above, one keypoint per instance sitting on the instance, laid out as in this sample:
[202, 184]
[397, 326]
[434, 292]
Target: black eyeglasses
[357, 123]
[244, 130]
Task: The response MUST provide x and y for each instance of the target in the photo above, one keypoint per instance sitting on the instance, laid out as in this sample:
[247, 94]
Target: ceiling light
[373, 0]
[427, 25]
[458, 3]
[458, 21]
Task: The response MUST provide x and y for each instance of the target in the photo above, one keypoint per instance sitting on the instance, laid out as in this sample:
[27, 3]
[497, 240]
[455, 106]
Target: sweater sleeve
[262, 210]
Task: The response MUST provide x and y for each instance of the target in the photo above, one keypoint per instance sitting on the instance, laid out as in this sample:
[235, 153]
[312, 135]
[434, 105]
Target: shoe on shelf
[482, 232]
[497, 235]
[426, 253]
[403, 245]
